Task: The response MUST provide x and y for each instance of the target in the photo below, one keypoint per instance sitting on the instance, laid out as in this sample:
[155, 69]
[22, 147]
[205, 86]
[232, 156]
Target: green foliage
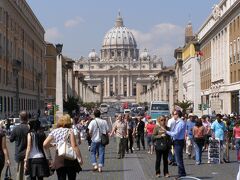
[185, 105]
[71, 104]
[89, 105]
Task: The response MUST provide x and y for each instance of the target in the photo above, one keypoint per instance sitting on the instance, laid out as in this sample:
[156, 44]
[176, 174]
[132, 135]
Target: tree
[184, 105]
[71, 105]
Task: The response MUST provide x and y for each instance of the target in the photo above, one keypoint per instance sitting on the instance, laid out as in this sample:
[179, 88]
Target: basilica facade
[121, 72]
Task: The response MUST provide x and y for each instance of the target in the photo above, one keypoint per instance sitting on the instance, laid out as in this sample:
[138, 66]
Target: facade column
[59, 87]
[114, 85]
[128, 87]
[76, 86]
[69, 82]
[131, 86]
[160, 91]
[108, 86]
[171, 100]
[105, 86]
[164, 90]
[122, 86]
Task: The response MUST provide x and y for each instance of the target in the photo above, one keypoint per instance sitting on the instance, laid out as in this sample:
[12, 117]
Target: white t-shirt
[171, 123]
[93, 129]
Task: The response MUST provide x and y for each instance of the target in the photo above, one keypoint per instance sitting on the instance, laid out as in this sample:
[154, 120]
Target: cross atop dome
[119, 20]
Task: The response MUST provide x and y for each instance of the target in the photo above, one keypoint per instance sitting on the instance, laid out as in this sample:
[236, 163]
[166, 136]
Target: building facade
[114, 73]
[219, 39]
[22, 65]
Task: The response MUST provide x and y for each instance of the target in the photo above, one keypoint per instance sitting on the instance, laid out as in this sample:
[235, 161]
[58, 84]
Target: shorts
[149, 140]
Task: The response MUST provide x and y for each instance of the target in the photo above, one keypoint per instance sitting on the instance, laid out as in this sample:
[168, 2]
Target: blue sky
[158, 25]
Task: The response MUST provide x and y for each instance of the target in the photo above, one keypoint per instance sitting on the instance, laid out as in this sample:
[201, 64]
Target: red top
[236, 131]
[150, 128]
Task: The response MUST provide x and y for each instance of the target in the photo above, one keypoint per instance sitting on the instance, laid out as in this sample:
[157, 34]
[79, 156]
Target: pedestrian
[190, 145]
[97, 127]
[207, 133]
[149, 132]
[130, 127]
[121, 134]
[4, 153]
[64, 167]
[178, 135]
[19, 136]
[236, 135]
[218, 131]
[139, 131]
[198, 136]
[35, 162]
[161, 151]
[171, 157]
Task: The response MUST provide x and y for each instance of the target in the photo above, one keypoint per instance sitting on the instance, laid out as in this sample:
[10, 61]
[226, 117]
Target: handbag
[8, 175]
[161, 144]
[104, 137]
[65, 149]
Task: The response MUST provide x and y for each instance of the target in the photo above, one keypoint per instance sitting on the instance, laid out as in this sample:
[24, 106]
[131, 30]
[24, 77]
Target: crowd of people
[168, 138]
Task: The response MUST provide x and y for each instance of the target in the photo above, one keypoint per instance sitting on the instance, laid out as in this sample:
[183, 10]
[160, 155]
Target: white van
[104, 108]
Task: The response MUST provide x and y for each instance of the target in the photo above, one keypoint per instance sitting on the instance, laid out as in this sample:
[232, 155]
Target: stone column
[108, 86]
[160, 92]
[131, 86]
[76, 86]
[171, 92]
[114, 85]
[128, 87]
[164, 90]
[69, 82]
[105, 86]
[59, 87]
[122, 85]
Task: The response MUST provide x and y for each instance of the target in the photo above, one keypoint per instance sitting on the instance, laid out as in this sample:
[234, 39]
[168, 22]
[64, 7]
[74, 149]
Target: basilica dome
[119, 41]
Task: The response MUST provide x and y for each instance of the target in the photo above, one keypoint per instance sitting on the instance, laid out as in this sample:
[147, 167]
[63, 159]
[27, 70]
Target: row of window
[234, 51]
[235, 76]
[7, 104]
[101, 66]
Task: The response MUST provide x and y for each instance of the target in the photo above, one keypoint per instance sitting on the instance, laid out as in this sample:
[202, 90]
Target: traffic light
[200, 106]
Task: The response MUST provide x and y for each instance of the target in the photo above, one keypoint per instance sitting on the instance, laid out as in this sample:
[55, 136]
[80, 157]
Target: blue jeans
[178, 148]
[97, 147]
[237, 143]
[198, 152]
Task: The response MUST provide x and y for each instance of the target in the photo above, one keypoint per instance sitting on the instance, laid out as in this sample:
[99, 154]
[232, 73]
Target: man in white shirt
[171, 124]
[97, 127]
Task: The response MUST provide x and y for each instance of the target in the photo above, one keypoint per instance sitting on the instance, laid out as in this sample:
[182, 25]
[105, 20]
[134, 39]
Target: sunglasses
[163, 120]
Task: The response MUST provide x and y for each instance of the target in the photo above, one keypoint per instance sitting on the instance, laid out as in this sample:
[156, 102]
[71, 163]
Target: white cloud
[161, 40]
[52, 34]
[73, 22]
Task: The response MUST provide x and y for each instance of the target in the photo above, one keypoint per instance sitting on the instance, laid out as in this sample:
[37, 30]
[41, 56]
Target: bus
[158, 108]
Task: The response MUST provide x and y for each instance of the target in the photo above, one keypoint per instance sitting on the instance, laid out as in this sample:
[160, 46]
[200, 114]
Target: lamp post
[59, 87]
[16, 68]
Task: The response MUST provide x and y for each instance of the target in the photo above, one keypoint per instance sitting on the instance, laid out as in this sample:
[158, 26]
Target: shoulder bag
[65, 149]
[104, 137]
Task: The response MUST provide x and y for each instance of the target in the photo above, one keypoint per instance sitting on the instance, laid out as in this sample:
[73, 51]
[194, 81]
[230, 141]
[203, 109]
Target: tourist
[178, 135]
[149, 131]
[171, 157]
[19, 136]
[161, 151]
[198, 135]
[35, 162]
[207, 133]
[97, 127]
[121, 133]
[139, 131]
[189, 136]
[130, 127]
[218, 131]
[64, 167]
[236, 135]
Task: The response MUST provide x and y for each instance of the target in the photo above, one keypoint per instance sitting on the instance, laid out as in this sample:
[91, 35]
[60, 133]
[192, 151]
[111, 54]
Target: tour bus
[158, 108]
[104, 108]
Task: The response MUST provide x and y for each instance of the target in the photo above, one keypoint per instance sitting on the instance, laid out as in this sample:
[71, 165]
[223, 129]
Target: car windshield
[17, 120]
[103, 105]
[160, 107]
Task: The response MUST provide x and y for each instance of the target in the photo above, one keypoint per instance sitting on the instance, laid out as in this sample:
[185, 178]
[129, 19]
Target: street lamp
[59, 87]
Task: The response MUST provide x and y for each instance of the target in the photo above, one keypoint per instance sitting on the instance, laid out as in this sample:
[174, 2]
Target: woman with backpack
[198, 136]
[36, 164]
